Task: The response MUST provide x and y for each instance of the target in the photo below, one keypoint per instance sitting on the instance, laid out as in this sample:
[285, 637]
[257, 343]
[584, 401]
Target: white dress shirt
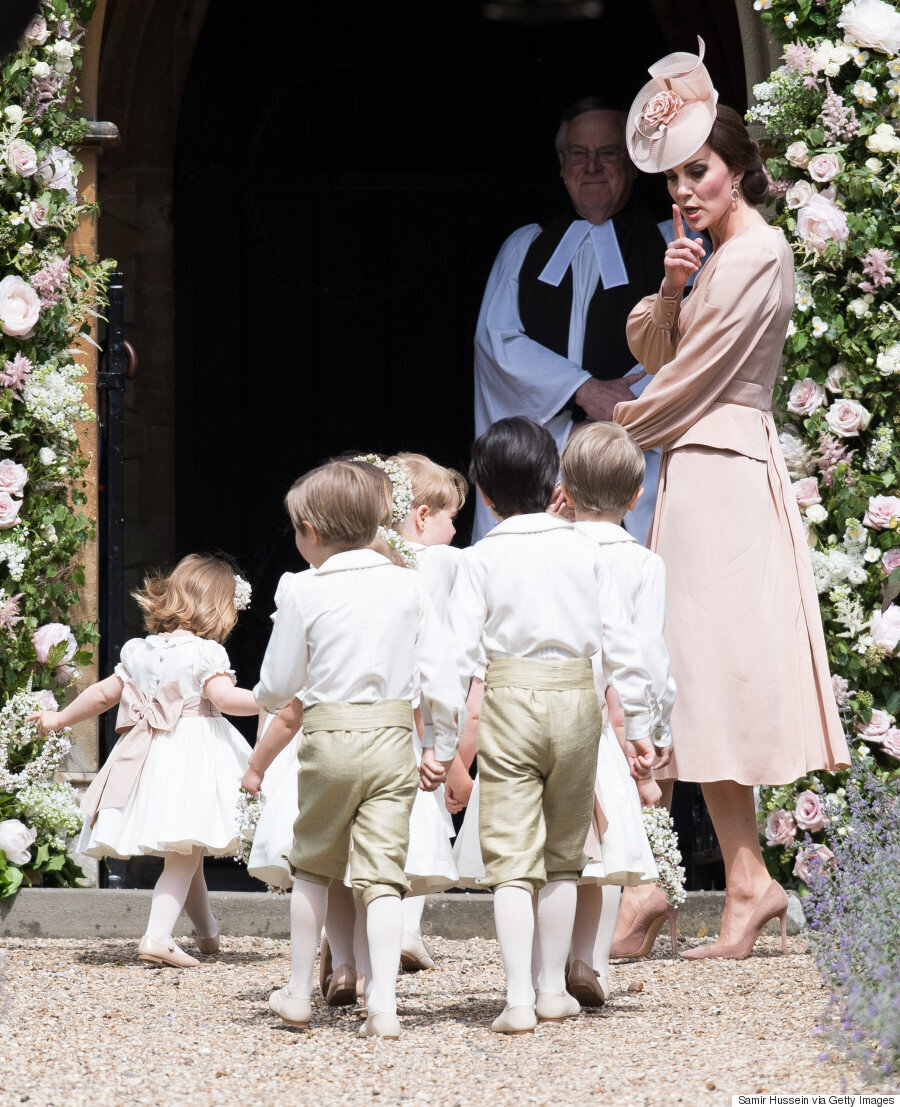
[438, 565]
[535, 587]
[359, 629]
[639, 577]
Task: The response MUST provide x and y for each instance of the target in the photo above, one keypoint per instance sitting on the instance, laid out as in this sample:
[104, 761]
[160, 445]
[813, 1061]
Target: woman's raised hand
[683, 257]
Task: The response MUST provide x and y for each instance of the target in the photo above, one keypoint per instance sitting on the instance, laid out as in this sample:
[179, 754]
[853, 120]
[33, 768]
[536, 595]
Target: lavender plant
[854, 924]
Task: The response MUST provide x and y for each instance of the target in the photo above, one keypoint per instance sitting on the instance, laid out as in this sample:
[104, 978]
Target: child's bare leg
[309, 903]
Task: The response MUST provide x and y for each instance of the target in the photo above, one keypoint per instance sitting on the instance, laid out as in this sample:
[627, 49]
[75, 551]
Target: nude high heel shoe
[638, 942]
[772, 904]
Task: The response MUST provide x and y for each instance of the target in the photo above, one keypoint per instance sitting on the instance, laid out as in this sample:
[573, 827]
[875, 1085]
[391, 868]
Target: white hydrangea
[53, 810]
[15, 556]
[797, 455]
[836, 567]
[55, 396]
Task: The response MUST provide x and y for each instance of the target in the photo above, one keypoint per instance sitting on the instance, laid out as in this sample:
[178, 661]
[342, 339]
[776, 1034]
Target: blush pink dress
[755, 701]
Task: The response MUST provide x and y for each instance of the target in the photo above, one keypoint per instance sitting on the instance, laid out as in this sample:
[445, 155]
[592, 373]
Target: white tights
[514, 917]
[413, 907]
[340, 924]
[181, 886]
[595, 923]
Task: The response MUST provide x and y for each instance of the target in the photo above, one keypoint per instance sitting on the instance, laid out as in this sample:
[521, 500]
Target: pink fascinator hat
[672, 115]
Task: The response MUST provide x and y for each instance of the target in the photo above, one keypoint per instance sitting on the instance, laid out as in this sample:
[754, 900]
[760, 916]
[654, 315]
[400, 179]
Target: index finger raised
[677, 224]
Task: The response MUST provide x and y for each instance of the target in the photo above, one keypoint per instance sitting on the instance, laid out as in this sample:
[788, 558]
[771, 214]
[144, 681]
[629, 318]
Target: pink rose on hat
[810, 859]
[876, 728]
[847, 418]
[884, 626]
[821, 221]
[881, 512]
[806, 397]
[661, 109]
[781, 830]
[13, 477]
[9, 511]
[890, 559]
[807, 492]
[808, 811]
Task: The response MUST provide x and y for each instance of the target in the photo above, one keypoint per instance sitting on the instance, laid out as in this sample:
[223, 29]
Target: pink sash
[139, 719]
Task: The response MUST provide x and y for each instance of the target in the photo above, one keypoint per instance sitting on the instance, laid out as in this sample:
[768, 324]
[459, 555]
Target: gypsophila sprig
[832, 112]
[398, 542]
[242, 593]
[248, 810]
[664, 844]
[401, 485]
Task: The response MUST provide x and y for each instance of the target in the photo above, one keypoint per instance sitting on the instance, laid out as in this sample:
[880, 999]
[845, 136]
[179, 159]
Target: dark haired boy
[533, 600]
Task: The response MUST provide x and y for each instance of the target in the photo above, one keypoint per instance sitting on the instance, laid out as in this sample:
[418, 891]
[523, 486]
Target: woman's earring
[735, 195]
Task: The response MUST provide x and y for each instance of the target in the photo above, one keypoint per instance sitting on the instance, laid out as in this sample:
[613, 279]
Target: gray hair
[580, 107]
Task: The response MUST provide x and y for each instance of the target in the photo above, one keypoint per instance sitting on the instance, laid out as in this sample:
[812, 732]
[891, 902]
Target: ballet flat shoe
[341, 989]
[165, 953]
[515, 1020]
[209, 945]
[586, 985]
[772, 904]
[415, 955]
[383, 1024]
[638, 942]
[554, 1007]
[294, 1010]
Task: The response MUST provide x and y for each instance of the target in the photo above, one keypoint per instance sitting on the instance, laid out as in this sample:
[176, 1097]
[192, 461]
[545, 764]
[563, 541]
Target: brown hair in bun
[731, 140]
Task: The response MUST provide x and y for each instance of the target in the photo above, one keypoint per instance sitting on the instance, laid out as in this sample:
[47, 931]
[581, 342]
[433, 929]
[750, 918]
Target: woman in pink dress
[755, 702]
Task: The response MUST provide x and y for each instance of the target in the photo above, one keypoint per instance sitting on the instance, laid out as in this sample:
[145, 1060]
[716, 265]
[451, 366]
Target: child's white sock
[413, 906]
[590, 898]
[612, 897]
[361, 945]
[197, 905]
[514, 919]
[308, 905]
[556, 914]
[340, 923]
[170, 893]
[384, 929]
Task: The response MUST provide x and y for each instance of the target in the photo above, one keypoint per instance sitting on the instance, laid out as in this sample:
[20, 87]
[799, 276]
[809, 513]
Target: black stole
[545, 311]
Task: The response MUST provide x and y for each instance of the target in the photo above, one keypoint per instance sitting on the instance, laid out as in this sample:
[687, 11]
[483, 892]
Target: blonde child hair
[198, 595]
[434, 486]
[602, 468]
[343, 500]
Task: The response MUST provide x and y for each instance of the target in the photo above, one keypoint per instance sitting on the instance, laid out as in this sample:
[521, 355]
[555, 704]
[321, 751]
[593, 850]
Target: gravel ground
[85, 1023]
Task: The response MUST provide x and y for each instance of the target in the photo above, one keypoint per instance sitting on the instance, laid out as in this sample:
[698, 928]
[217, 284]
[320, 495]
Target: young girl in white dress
[170, 786]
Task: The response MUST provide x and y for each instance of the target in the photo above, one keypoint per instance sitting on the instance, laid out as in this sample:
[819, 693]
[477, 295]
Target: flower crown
[242, 593]
[398, 542]
[401, 485]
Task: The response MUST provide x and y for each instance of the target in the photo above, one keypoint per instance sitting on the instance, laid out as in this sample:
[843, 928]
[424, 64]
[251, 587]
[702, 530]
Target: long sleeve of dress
[694, 360]
[649, 624]
[512, 371]
[284, 666]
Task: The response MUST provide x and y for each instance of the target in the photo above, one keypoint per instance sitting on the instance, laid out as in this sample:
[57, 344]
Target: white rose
[806, 397]
[797, 155]
[63, 49]
[799, 194]
[15, 840]
[63, 65]
[816, 513]
[46, 456]
[58, 171]
[837, 374]
[873, 165]
[841, 53]
[37, 214]
[884, 626]
[20, 307]
[888, 361]
[860, 307]
[824, 167]
[36, 33]
[871, 24]
[847, 418]
[14, 114]
[22, 158]
[40, 70]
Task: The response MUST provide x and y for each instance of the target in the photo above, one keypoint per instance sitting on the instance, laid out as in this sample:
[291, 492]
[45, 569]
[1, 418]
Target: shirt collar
[529, 524]
[604, 533]
[352, 559]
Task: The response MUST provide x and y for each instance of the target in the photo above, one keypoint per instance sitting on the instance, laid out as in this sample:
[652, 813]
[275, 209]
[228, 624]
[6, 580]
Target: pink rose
[781, 830]
[881, 512]
[891, 743]
[811, 858]
[847, 418]
[806, 397]
[890, 560]
[36, 33]
[821, 221]
[884, 626]
[841, 687]
[824, 167]
[661, 109]
[13, 477]
[807, 492]
[799, 194]
[9, 511]
[37, 214]
[797, 155]
[50, 635]
[46, 701]
[22, 158]
[20, 307]
[808, 812]
[876, 728]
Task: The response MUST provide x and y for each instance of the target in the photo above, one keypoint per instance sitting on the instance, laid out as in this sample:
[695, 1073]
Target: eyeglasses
[606, 155]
